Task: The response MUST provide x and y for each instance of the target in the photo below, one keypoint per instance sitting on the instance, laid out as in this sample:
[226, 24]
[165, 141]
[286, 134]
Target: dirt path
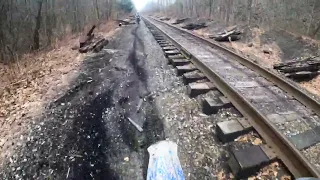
[86, 133]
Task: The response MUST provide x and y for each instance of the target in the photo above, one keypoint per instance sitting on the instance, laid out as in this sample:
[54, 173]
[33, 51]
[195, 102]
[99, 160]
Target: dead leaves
[286, 178]
[24, 95]
[243, 139]
[250, 138]
[257, 141]
[266, 173]
[224, 176]
[270, 172]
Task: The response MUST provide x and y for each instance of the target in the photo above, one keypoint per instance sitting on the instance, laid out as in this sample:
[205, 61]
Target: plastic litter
[164, 163]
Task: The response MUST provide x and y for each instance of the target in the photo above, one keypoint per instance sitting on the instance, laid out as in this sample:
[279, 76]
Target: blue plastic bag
[164, 163]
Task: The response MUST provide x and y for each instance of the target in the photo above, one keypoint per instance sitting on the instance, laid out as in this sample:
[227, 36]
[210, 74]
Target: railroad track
[273, 106]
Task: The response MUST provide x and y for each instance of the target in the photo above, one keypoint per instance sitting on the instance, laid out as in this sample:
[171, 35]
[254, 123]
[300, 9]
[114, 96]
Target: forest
[301, 17]
[31, 25]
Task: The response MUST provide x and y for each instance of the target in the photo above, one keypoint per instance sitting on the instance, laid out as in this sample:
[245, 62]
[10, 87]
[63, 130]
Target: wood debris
[300, 69]
[84, 40]
[194, 26]
[230, 34]
[92, 43]
[179, 21]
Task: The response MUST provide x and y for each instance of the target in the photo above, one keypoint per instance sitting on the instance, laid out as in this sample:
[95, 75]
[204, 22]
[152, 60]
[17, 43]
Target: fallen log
[296, 61]
[84, 40]
[305, 67]
[232, 35]
[95, 46]
[227, 38]
[179, 21]
[302, 75]
[91, 30]
[100, 45]
[194, 26]
[84, 49]
[300, 69]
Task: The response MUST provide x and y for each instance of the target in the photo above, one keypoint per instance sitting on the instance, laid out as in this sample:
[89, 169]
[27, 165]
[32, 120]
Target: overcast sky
[139, 4]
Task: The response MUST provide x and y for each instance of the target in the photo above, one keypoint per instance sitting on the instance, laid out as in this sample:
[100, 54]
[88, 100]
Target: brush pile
[91, 43]
[300, 68]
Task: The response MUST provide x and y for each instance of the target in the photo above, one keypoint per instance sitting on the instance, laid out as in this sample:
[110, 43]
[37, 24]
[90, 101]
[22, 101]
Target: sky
[139, 4]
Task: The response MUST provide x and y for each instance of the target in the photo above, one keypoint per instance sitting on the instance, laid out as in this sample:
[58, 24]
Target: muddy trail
[86, 133]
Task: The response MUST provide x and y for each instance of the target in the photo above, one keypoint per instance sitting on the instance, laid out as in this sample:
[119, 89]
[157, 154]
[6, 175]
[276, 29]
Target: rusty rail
[285, 150]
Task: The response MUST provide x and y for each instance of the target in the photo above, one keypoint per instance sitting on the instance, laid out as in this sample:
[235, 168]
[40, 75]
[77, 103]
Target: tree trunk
[36, 36]
[97, 9]
[249, 11]
[210, 10]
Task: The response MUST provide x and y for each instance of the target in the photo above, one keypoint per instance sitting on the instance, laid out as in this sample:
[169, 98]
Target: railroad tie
[306, 139]
[246, 162]
[195, 89]
[184, 69]
[173, 57]
[180, 62]
[228, 131]
[211, 106]
[165, 44]
[168, 48]
[161, 41]
[171, 52]
[190, 77]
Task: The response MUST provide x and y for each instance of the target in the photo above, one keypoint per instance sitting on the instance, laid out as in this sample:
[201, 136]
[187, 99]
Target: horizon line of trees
[296, 16]
[30, 25]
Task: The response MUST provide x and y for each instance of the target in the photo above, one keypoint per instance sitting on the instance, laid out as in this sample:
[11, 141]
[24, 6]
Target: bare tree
[294, 15]
[36, 36]
[32, 24]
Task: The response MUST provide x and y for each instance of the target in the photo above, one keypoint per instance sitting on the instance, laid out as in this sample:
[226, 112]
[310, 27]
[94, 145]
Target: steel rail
[296, 163]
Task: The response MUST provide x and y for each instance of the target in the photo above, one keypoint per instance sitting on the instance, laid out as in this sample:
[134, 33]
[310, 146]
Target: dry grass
[312, 86]
[256, 51]
[202, 32]
[26, 87]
